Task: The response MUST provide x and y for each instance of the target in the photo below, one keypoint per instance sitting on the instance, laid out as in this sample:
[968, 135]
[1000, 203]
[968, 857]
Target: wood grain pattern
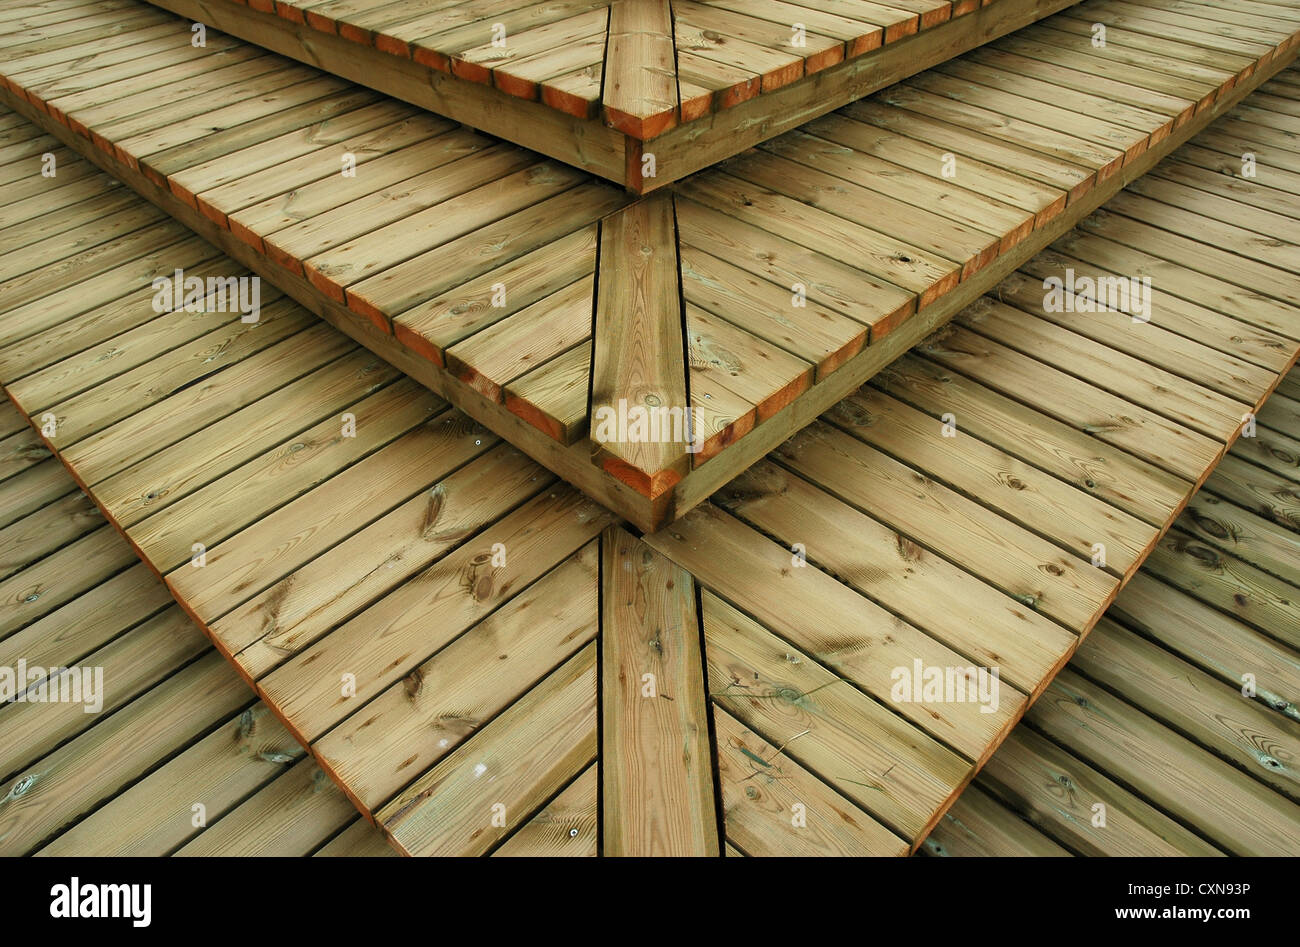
[640, 88]
[639, 362]
[657, 767]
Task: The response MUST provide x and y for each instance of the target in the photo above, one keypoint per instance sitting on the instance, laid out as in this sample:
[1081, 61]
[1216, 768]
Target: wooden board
[657, 765]
[638, 364]
[601, 84]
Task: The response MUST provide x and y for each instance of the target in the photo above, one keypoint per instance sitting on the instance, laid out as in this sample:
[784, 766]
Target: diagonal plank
[490, 786]
[640, 95]
[638, 364]
[657, 779]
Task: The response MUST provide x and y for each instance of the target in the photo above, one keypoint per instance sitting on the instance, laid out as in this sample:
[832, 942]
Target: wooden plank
[1190, 340]
[640, 76]
[1257, 490]
[56, 580]
[1274, 452]
[1216, 643]
[1139, 86]
[81, 774]
[306, 604]
[471, 305]
[1214, 715]
[1167, 769]
[1137, 429]
[1246, 536]
[93, 411]
[1038, 574]
[917, 95]
[775, 68]
[290, 817]
[171, 419]
[740, 565]
[1023, 494]
[1058, 793]
[639, 302]
[889, 259]
[1240, 589]
[657, 771]
[524, 341]
[532, 124]
[86, 622]
[358, 840]
[1075, 179]
[134, 662]
[383, 233]
[975, 216]
[513, 765]
[761, 814]
[938, 596]
[582, 56]
[284, 213]
[762, 253]
[377, 485]
[1273, 283]
[176, 471]
[42, 334]
[822, 722]
[855, 25]
[1191, 405]
[536, 536]
[407, 286]
[155, 816]
[729, 357]
[977, 825]
[492, 62]
[812, 332]
[553, 397]
[418, 721]
[947, 237]
[566, 827]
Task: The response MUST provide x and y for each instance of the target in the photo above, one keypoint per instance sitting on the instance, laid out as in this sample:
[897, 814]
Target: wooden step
[175, 755]
[777, 282]
[640, 92]
[1191, 694]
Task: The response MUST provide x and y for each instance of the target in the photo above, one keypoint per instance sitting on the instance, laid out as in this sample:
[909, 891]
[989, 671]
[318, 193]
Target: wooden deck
[804, 266]
[600, 85]
[1152, 721]
[178, 728]
[1176, 622]
[419, 603]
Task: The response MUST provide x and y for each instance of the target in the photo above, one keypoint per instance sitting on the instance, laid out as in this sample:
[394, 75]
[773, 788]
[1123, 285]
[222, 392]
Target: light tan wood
[640, 87]
[657, 792]
[639, 362]
[520, 759]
